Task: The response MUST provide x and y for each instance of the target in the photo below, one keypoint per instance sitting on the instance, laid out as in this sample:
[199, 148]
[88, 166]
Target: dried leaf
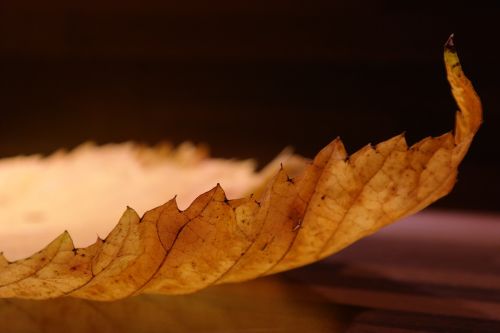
[292, 221]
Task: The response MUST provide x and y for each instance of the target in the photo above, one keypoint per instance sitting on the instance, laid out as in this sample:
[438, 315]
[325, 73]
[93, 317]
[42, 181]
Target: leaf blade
[336, 200]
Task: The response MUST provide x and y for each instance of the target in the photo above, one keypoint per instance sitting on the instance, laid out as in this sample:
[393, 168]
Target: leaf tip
[66, 237]
[450, 44]
[130, 211]
[451, 57]
[219, 193]
[469, 117]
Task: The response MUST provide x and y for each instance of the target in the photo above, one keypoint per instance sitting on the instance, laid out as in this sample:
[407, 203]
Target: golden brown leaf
[290, 222]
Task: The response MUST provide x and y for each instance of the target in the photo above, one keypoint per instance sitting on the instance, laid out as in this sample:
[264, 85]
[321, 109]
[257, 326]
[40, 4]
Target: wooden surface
[437, 263]
[435, 272]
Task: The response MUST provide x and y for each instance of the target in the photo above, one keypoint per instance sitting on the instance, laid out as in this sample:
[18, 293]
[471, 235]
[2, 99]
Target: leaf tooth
[219, 194]
[175, 204]
[347, 185]
[67, 238]
[338, 149]
[308, 187]
[3, 260]
[274, 228]
[169, 226]
[113, 242]
[397, 142]
[21, 269]
[138, 256]
[44, 274]
[204, 246]
[199, 203]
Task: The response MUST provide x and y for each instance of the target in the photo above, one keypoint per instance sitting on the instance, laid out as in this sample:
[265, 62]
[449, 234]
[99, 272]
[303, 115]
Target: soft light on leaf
[305, 212]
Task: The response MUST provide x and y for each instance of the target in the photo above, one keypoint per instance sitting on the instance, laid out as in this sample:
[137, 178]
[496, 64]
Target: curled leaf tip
[450, 44]
[451, 57]
[469, 117]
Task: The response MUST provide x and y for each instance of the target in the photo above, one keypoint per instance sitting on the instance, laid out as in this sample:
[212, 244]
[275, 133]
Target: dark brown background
[248, 78]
